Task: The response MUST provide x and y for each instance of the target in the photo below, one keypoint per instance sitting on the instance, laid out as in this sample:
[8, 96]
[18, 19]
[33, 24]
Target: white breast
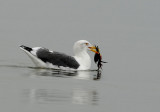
[84, 61]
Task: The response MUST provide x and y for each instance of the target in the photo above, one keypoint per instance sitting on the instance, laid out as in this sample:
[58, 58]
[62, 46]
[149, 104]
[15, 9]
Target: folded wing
[57, 58]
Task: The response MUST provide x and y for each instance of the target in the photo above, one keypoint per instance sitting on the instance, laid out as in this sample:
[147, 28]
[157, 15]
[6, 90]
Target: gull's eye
[86, 44]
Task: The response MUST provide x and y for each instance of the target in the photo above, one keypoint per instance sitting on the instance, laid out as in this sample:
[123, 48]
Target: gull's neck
[83, 59]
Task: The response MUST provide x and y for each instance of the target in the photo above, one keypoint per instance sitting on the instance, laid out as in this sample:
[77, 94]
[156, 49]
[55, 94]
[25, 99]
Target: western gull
[45, 58]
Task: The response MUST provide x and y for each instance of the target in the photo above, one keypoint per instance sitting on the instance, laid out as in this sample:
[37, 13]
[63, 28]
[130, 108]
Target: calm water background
[127, 33]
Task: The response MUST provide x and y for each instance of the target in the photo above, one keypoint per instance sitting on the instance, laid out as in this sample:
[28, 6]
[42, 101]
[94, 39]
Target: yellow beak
[93, 49]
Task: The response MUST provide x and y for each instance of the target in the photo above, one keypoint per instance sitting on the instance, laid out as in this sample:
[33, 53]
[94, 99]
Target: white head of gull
[45, 58]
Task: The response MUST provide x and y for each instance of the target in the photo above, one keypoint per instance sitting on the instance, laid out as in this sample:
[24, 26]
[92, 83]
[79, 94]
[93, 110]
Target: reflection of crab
[98, 58]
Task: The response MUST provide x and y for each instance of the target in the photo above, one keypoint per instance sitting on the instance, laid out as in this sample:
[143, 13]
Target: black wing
[57, 58]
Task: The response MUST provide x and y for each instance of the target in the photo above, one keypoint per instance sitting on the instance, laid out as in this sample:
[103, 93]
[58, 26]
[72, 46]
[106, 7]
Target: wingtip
[21, 46]
[25, 48]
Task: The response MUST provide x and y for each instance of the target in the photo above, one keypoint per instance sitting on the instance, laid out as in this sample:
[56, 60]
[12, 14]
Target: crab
[98, 58]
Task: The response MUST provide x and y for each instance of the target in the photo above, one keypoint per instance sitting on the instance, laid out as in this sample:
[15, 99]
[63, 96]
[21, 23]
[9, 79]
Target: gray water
[127, 33]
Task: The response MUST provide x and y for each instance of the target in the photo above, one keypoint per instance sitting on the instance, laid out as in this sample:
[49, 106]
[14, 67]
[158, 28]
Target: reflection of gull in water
[45, 95]
[87, 75]
[76, 96]
[72, 94]
[82, 96]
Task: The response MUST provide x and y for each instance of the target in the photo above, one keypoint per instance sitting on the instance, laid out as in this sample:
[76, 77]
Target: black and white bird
[45, 58]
